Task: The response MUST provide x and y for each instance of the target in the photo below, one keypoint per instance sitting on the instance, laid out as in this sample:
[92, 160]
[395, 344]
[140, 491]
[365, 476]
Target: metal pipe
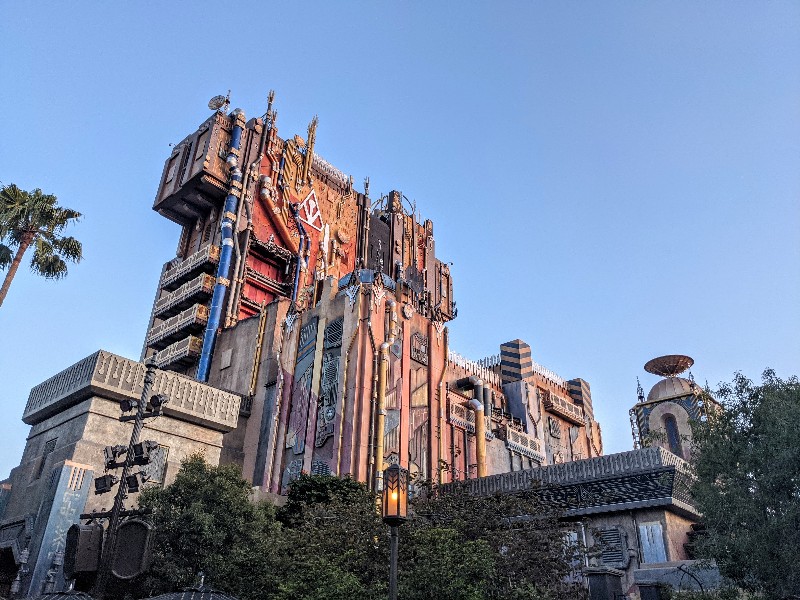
[465, 440]
[224, 267]
[237, 252]
[372, 405]
[476, 404]
[372, 410]
[299, 265]
[273, 209]
[453, 470]
[440, 469]
[383, 369]
[480, 428]
[241, 265]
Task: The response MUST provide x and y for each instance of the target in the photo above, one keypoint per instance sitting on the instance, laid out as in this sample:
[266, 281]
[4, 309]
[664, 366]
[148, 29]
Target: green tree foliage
[34, 219]
[505, 546]
[311, 490]
[205, 521]
[333, 545]
[439, 562]
[725, 593]
[328, 542]
[747, 462]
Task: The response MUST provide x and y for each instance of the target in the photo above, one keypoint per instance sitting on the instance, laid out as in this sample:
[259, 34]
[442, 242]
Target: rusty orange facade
[327, 310]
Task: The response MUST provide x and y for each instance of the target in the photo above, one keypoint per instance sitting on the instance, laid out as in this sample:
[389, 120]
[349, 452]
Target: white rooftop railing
[475, 367]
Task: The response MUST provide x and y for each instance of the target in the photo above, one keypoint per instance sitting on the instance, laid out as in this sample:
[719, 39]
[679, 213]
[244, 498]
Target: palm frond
[65, 215]
[69, 248]
[33, 210]
[36, 217]
[5, 256]
[15, 236]
[48, 265]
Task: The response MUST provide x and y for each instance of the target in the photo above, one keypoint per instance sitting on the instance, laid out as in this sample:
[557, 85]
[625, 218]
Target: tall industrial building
[302, 327]
[326, 309]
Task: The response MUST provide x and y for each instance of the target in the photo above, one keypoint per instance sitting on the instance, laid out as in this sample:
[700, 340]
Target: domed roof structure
[671, 387]
[65, 595]
[200, 592]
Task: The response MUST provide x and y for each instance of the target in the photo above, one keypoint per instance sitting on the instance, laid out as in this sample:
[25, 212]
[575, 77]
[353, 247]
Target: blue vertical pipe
[224, 267]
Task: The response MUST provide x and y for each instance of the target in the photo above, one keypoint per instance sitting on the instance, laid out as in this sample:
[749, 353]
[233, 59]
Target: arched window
[673, 437]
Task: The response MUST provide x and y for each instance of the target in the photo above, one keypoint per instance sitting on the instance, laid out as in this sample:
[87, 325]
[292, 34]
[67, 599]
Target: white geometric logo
[310, 213]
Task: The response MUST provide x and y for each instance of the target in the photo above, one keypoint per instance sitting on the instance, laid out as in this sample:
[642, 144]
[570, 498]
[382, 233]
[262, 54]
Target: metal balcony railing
[476, 368]
[181, 353]
[192, 319]
[562, 408]
[524, 444]
[200, 287]
[202, 260]
[463, 417]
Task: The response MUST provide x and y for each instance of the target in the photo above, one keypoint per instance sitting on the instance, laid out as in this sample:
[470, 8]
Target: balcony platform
[564, 409]
[193, 291]
[191, 320]
[522, 443]
[182, 353]
[175, 274]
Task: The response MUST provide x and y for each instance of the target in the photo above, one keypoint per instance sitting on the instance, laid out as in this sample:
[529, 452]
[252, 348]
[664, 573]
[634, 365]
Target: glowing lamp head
[395, 495]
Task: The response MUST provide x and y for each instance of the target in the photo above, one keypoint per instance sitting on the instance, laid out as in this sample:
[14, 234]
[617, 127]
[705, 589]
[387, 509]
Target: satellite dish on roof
[219, 102]
[670, 365]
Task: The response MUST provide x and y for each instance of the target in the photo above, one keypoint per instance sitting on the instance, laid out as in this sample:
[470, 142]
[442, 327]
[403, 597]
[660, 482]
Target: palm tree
[35, 219]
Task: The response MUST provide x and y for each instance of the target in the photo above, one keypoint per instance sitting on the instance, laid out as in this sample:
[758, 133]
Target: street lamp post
[395, 513]
[122, 491]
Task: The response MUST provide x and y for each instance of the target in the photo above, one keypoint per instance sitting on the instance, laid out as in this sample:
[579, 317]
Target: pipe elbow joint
[476, 405]
[469, 383]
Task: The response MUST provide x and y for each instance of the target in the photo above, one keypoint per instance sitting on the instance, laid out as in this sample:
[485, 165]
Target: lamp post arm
[122, 491]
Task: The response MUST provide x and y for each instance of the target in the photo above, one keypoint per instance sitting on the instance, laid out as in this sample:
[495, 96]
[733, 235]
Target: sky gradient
[613, 181]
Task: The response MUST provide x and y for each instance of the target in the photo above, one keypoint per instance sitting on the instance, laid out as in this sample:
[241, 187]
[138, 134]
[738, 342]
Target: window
[185, 162]
[49, 446]
[200, 151]
[651, 538]
[172, 167]
[673, 437]
[573, 555]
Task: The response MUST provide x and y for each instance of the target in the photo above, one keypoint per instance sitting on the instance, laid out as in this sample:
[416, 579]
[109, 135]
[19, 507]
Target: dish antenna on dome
[670, 365]
[220, 102]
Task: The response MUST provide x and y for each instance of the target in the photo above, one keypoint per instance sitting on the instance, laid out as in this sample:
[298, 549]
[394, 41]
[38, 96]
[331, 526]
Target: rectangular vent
[611, 541]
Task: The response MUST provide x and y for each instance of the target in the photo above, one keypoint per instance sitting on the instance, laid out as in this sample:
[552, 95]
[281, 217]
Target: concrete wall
[674, 528]
[53, 483]
[81, 432]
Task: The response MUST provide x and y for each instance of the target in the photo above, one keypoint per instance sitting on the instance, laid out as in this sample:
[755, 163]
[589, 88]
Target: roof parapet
[116, 378]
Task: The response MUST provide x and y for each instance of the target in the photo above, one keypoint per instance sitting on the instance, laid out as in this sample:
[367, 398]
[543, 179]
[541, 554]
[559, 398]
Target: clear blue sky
[613, 180]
